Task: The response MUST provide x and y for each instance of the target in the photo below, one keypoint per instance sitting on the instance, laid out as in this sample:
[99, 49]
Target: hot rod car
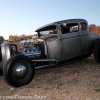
[58, 41]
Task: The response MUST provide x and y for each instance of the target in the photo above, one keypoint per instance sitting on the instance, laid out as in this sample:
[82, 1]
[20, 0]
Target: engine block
[35, 53]
[28, 48]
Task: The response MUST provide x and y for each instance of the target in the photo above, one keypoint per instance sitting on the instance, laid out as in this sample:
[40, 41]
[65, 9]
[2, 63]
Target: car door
[71, 42]
[55, 49]
[87, 39]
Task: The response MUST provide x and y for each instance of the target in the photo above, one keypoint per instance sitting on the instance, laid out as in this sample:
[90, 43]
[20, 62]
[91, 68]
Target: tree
[92, 28]
[98, 29]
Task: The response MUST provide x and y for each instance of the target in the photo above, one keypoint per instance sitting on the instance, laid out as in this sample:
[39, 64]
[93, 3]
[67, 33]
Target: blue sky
[19, 17]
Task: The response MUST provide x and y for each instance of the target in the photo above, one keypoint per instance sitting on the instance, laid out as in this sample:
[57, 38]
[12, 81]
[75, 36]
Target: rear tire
[19, 71]
[97, 51]
[1, 68]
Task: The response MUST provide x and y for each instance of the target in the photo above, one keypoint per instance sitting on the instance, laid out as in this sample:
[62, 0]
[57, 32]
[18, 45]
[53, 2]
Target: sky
[19, 17]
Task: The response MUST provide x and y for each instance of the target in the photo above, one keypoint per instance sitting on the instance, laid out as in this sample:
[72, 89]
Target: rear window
[83, 26]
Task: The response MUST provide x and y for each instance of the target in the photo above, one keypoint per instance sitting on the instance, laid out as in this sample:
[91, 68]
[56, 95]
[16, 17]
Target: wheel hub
[20, 71]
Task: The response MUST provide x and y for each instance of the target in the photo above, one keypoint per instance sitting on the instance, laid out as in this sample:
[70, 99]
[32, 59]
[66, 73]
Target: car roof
[60, 22]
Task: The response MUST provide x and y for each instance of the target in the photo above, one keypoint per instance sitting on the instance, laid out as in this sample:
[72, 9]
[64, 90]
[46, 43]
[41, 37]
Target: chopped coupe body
[61, 43]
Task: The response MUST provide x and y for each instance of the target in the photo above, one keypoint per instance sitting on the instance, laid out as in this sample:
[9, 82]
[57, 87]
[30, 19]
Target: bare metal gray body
[59, 46]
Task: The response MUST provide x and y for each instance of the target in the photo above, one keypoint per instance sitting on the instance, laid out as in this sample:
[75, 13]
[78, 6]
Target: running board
[38, 67]
[45, 60]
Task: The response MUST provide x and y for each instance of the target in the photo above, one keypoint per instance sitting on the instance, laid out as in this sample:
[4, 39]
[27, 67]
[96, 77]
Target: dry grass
[74, 81]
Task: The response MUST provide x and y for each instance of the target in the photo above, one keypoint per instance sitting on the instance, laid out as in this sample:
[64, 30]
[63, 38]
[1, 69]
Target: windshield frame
[48, 32]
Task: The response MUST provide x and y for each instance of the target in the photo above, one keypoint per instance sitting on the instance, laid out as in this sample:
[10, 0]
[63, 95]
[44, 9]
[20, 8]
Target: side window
[83, 26]
[69, 28]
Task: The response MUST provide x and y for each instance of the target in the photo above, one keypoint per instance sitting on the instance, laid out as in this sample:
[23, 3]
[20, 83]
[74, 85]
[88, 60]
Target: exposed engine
[31, 48]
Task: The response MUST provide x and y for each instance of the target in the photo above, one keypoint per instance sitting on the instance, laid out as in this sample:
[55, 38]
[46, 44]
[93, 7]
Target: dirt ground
[74, 81]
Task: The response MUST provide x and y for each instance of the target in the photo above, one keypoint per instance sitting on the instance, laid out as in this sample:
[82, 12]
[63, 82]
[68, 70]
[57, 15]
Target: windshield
[48, 32]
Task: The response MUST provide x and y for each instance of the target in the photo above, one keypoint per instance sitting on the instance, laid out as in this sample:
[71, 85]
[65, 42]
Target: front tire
[19, 71]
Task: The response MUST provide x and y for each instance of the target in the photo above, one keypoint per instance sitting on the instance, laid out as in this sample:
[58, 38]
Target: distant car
[1, 41]
[56, 42]
[0, 51]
